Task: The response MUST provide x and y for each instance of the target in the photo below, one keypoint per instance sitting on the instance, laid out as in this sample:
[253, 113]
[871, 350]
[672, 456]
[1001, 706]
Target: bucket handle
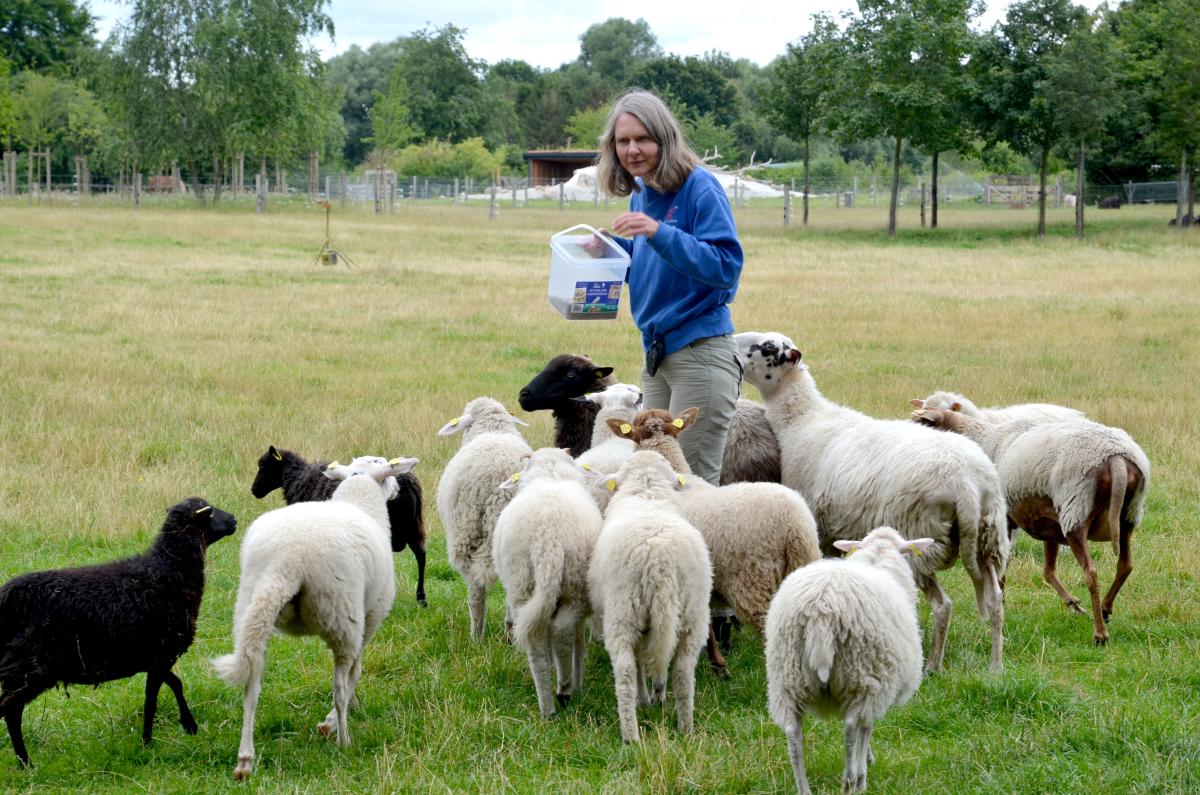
[605, 234]
[576, 228]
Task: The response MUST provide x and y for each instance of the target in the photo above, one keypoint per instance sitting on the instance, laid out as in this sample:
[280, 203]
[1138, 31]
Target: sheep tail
[1118, 468]
[547, 588]
[255, 625]
[662, 632]
[819, 646]
[983, 540]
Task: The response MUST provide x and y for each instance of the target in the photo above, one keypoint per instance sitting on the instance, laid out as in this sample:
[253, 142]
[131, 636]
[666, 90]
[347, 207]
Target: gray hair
[675, 158]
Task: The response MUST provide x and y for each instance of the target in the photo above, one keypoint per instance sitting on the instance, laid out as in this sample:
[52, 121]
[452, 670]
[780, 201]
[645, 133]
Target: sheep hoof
[189, 726]
[1101, 640]
[421, 600]
[326, 730]
[721, 671]
[563, 699]
[242, 771]
[1074, 607]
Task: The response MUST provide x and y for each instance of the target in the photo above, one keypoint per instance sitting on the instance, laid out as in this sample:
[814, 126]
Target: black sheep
[1109, 203]
[564, 378]
[304, 482]
[93, 624]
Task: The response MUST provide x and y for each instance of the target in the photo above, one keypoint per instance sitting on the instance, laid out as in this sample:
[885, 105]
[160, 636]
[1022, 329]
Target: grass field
[149, 356]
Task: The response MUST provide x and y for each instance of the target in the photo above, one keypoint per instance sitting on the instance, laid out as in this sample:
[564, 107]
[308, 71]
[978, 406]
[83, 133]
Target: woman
[685, 264]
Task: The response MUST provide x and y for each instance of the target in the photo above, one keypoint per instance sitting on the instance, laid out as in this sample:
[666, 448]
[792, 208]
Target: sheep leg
[568, 624]
[795, 739]
[154, 680]
[1124, 568]
[994, 604]
[185, 715]
[715, 659]
[342, 666]
[13, 705]
[625, 671]
[940, 607]
[250, 695]
[419, 553]
[643, 693]
[539, 652]
[683, 671]
[1050, 575]
[579, 654]
[477, 604]
[1078, 543]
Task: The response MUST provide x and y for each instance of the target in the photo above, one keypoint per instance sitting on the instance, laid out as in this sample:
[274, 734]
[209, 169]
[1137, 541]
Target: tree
[442, 84]
[1009, 71]
[801, 89]
[696, 83]
[613, 48]
[586, 126]
[1081, 85]
[39, 109]
[7, 107]
[42, 35]
[362, 76]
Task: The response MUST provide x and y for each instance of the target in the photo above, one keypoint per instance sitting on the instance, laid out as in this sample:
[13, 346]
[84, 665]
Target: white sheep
[541, 547]
[757, 533]
[1034, 412]
[467, 498]
[315, 568]
[1066, 482]
[842, 636]
[859, 473]
[650, 580]
[609, 451]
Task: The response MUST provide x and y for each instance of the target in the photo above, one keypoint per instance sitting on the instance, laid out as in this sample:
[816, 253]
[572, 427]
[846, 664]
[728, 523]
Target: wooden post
[78, 188]
[854, 202]
[137, 191]
[328, 187]
[837, 199]
[87, 178]
[787, 206]
[562, 196]
[514, 190]
[49, 186]
[455, 200]
[391, 178]
[922, 204]
[239, 179]
[314, 174]
[412, 196]
[260, 192]
[492, 210]
[527, 192]
[30, 185]
[342, 187]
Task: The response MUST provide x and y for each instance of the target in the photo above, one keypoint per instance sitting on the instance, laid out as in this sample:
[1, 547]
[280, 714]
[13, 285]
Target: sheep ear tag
[275, 454]
[511, 482]
[679, 423]
[847, 546]
[626, 428]
[204, 510]
[611, 484]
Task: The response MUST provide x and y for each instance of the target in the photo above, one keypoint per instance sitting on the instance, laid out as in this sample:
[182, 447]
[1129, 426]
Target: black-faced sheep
[564, 378]
[305, 482]
[93, 624]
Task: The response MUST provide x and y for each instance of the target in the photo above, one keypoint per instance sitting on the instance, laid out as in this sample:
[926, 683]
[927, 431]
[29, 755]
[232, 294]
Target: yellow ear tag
[626, 428]
[277, 456]
[852, 551]
[612, 485]
[454, 422]
[205, 509]
[678, 423]
[586, 467]
[916, 552]
[516, 477]
[682, 481]
[333, 465]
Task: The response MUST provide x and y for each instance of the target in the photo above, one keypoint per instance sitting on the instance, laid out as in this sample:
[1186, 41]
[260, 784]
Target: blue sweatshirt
[682, 280]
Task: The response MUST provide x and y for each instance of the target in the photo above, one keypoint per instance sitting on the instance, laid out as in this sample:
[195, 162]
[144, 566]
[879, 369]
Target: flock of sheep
[609, 525]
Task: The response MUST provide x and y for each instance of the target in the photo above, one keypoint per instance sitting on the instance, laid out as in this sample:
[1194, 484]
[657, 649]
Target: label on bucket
[596, 297]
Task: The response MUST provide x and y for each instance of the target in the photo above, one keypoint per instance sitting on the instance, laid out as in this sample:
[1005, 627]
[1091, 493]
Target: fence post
[137, 191]
[527, 191]
[328, 187]
[1129, 192]
[392, 186]
[342, 187]
[874, 188]
[562, 197]
[787, 206]
[314, 174]
[492, 206]
[412, 196]
[854, 202]
[30, 185]
[78, 181]
[455, 201]
[922, 204]
[260, 192]
[514, 189]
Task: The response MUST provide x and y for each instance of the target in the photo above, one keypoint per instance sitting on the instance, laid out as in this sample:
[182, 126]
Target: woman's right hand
[596, 246]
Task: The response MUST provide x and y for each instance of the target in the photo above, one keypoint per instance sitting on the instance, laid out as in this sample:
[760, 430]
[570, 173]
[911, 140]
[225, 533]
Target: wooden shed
[551, 166]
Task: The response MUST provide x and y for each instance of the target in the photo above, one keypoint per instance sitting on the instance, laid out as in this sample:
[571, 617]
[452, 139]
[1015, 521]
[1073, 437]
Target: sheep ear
[847, 546]
[335, 471]
[518, 420]
[620, 428]
[917, 402]
[601, 372]
[917, 547]
[682, 483]
[204, 510]
[391, 487]
[590, 473]
[928, 417]
[274, 453]
[688, 416]
[456, 425]
[956, 406]
[401, 466]
[584, 399]
[510, 482]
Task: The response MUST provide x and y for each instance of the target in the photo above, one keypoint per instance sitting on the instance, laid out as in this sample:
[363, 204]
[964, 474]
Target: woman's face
[636, 150]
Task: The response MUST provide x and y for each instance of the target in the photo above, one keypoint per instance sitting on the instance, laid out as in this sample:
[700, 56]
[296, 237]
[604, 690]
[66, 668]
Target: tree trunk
[1181, 191]
[1041, 227]
[933, 194]
[1191, 195]
[1080, 186]
[218, 172]
[807, 185]
[194, 176]
[895, 190]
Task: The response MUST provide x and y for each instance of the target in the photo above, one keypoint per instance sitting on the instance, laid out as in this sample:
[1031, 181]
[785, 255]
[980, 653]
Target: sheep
[859, 473]
[1035, 412]
[1109, 203]
[756, 533]
[842, 636]
[541, 547]
[1067, 483]
[304, 482]
[315, 568]
[108, 621]
[650, 579]
[468, 500]
[609, 451]
[565, 377]
[751, 451]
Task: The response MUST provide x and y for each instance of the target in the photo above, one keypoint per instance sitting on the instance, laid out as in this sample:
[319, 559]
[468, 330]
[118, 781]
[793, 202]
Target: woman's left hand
[633, 224]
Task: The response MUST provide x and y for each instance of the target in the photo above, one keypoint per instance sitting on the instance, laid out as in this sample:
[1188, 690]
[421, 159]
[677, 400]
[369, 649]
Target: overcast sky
[546, 33]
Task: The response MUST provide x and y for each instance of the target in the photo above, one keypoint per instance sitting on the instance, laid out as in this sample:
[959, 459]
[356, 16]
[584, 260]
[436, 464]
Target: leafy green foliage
[694, 82]
[44, 35]
[614, 48]
[443, 159]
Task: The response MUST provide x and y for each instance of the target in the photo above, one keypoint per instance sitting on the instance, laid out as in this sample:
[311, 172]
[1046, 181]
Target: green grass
[148, 356]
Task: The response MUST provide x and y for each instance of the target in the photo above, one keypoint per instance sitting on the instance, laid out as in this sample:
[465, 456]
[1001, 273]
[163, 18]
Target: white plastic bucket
[583, 286]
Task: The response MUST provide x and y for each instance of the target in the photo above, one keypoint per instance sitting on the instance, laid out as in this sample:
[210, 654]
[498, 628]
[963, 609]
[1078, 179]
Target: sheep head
[564, 377]
[766, 356]
[654, 422]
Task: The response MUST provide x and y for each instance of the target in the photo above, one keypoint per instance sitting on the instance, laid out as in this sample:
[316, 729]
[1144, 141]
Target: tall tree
[442, 84]
[44, 34]
[1082, 87]
[1009, 72]
[694, 82]
[362, 76]
[613, 48]
[798, 99]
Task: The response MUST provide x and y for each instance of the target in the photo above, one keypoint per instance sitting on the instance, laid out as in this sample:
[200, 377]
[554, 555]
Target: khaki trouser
[706, 374]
